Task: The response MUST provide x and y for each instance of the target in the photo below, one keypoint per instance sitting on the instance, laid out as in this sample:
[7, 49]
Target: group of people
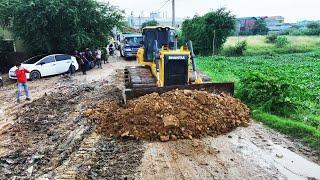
[88, 58]
[84, 59]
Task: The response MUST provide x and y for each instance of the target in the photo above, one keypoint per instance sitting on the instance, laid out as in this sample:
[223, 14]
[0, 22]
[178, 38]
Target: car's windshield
[34, 59]
[133, 40]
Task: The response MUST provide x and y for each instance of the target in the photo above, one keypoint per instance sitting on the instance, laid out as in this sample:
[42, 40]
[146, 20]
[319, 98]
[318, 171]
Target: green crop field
[283, 91]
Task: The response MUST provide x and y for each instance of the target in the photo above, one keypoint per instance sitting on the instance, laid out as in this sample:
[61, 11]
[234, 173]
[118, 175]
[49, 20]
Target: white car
[47, 65]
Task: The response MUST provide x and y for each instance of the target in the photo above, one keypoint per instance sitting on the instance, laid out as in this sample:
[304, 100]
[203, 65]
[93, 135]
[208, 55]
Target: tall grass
[257, 45]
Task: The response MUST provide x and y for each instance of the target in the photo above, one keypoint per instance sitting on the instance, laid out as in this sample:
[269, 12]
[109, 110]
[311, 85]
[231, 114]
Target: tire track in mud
[50, 139]
[40, 137]
[79, 163]
[116, 159]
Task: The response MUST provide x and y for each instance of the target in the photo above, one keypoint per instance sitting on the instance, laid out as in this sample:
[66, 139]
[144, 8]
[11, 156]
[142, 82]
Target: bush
[6, 46]
[268, 93]
[245, 33]
[237, 50]
[312, 32]
[281, 41]
[313, 29]
[271, 38]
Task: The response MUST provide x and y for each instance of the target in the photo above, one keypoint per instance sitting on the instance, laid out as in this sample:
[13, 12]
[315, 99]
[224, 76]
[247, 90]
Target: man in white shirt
[98, 54]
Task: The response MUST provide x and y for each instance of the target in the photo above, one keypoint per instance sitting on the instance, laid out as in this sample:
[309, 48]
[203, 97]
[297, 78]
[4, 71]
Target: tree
[150, 23]
[313, 29]
[260, 27]
[202, 30]
[313, 25]
[48, 26]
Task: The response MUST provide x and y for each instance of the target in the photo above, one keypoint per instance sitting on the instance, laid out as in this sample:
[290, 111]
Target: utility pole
[213, 42]
[173, 14]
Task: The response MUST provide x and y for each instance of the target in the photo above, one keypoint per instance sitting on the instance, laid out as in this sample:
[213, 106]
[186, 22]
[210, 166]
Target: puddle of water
[288, 163]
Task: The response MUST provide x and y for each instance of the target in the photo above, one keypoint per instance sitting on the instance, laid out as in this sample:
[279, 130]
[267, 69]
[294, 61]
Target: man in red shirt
[22, 82]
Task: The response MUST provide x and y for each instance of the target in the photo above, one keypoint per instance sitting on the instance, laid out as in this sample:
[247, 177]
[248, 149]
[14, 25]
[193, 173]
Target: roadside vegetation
[260, 45]
[283, 90]
[313, 29]
[209, 32]
[276, 75]
[60, 26]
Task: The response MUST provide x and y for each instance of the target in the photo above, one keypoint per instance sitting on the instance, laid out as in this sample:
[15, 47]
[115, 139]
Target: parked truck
[130, 44]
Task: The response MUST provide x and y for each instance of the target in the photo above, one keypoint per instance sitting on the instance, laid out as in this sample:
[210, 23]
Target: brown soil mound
[173, 115]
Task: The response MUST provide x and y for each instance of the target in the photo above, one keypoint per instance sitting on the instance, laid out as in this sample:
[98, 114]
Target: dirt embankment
[179, 114]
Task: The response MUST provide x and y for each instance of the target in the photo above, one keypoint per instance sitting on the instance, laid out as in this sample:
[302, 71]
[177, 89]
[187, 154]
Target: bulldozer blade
[217, 88]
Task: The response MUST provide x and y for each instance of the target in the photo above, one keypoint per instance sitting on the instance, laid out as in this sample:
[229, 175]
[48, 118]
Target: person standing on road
[90, 58]
[105, 55]
[22, 82]
[83, 63]
[98, 55]
[111, 49]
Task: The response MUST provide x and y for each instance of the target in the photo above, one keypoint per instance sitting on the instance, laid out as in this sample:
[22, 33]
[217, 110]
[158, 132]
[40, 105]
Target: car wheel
[121, 53]
[72, 69]
[1, 83]
[34, 75]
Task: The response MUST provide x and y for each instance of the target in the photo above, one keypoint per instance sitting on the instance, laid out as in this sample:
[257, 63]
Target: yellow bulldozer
[164, 67]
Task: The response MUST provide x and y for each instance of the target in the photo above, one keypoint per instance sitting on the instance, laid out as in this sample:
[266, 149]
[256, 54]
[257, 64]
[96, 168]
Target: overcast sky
[292, 10]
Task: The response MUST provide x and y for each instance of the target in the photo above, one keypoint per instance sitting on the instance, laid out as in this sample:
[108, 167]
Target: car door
[46, 66]
[63, 63]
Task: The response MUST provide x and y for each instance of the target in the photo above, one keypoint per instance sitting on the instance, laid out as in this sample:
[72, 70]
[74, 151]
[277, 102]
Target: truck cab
[130, 45]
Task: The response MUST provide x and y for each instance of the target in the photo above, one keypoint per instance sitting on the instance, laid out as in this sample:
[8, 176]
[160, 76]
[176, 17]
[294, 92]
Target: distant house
[276, 24]
[245, 24]
[280, 28]
[273, 20]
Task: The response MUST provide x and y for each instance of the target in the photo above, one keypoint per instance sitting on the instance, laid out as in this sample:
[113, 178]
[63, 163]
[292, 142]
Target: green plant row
[285, 85]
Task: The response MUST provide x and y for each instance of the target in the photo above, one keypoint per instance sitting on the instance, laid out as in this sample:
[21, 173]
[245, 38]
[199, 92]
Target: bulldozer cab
[164, 35]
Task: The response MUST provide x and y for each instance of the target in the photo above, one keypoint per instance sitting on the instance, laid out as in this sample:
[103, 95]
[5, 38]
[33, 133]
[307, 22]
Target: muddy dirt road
[49, 138]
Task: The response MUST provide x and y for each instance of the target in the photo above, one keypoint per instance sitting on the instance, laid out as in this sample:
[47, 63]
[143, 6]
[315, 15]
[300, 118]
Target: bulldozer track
[139, 77]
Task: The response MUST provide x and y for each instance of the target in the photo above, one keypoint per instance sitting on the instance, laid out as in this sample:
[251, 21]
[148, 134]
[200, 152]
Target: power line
[164, 4]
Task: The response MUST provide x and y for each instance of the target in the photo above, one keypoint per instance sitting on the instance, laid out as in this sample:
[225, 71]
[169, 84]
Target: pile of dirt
[178, 114]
